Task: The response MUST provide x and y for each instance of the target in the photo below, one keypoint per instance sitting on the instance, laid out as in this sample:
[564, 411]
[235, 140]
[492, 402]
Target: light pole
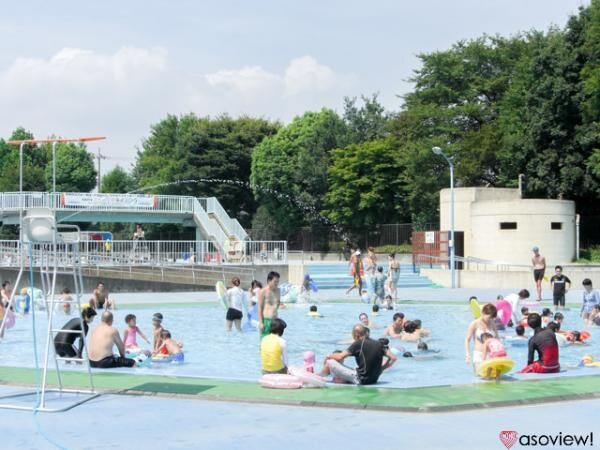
[438, 151]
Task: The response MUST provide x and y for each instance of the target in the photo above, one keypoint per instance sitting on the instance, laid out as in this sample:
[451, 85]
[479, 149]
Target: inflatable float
[222, 294]
[495, 367]
[308, 379]
[280, 381]
[475, 308]
[504, 311]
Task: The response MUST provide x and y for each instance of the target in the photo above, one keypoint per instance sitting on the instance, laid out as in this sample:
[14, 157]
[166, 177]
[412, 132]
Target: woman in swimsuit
[485, 324]
[393, 275]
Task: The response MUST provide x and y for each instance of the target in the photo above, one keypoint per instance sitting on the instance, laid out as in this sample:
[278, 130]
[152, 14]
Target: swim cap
[535, 248]
[157, 317]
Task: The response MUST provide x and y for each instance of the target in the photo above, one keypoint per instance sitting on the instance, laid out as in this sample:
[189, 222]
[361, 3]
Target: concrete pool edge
[423, 399]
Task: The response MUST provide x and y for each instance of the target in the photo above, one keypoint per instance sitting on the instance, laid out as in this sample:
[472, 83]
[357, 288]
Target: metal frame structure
[46, 235]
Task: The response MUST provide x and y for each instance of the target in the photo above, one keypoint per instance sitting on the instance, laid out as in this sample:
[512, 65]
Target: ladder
[63, 252]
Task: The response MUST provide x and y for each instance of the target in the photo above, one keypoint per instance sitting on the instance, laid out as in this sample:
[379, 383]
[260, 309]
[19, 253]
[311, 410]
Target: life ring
[308, 379]
[495, 367]
[177, 358]
[280, 381]
[504, 311]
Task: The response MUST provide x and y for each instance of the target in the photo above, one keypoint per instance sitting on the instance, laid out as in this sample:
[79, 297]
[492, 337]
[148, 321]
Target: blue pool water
[210, 351]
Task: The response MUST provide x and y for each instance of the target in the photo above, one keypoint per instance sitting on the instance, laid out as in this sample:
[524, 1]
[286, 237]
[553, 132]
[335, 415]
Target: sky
[113, 68]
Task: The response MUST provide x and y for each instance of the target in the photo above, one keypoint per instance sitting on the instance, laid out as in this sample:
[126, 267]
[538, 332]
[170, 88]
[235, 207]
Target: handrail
[151, 253]
[66, 201]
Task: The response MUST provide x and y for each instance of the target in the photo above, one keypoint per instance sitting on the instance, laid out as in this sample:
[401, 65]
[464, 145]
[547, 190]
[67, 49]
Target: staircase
[335, 276]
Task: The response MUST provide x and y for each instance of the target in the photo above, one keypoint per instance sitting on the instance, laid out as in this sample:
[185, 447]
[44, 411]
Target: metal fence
[325, 239]
[142, 252]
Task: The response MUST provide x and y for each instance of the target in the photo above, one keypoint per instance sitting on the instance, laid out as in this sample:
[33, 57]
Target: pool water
[210, 351]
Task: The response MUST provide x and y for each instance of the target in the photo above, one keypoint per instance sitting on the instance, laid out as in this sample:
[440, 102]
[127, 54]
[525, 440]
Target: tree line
[500, 106]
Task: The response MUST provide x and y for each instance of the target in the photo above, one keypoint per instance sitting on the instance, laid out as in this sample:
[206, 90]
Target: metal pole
[452, 247]
[577, 222]
[54, 168]
[21, 199]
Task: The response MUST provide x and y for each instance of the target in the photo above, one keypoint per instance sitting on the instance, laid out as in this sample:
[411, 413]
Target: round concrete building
[501, 226]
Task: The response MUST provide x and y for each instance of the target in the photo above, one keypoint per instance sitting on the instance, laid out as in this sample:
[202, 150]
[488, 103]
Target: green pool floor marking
[421, 399]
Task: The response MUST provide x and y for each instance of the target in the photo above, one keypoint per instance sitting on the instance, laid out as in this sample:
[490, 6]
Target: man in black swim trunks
[102, 340]
[539, 267]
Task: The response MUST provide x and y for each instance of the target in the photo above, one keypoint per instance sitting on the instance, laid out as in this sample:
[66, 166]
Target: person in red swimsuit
[545, 344]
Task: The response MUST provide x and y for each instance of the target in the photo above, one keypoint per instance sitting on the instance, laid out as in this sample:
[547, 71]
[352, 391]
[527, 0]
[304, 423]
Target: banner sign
[86, 200]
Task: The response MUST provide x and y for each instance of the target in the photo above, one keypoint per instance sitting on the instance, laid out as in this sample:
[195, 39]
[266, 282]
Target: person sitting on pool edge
[102, 340]
[545, 344]
[273, 349]
[397, 326]
[369, 355]
[269, 300]
[170, 348]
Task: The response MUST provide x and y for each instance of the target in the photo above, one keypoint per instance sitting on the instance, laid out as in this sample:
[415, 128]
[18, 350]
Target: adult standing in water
[100, 298]
[393, 275]
[269, 299]
[356, 271]
[539, 267]
[485, 324]
[235, 297]
[370, 269]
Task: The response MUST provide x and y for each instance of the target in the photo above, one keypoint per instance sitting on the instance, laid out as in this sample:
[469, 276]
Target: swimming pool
[210, 351]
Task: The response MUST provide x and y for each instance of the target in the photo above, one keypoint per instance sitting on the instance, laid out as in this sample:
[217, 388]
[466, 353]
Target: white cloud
[305, 74]
[79, 92]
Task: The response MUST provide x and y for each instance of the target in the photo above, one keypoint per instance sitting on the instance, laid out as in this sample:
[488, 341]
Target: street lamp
[438, 151]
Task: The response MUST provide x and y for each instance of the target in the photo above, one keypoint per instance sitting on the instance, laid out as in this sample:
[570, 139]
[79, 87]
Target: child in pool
[309, 361]
[375, 310]
[170, 348]
[520, 332]
[595, 315]
[157, 325]
[365, 296]
[492, 347]
[546, 317]
[313, 311]
[131, 332]
[524, 314]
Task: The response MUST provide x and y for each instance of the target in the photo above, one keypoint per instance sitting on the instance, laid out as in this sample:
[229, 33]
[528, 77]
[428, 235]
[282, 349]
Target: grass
[589, 255]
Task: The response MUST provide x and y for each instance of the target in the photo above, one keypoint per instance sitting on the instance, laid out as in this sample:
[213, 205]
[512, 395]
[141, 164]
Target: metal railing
[232, 226]
[220, 229]
[468, 263]
[153, 253]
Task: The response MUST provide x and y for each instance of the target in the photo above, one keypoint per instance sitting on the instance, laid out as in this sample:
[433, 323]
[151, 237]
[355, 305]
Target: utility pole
[99, 158]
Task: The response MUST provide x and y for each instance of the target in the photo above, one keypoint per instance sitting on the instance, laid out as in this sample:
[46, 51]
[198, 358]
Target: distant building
[499, 225]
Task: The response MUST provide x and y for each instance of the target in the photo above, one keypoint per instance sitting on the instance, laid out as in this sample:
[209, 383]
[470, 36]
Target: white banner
[86, 200]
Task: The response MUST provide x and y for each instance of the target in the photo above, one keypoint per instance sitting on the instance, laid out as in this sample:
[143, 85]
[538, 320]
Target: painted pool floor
[142, 422]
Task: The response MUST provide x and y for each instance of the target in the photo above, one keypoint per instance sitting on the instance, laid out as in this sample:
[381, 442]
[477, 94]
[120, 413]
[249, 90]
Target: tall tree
[289, 169]
[214, 151]
[117, 181]
[75, 170]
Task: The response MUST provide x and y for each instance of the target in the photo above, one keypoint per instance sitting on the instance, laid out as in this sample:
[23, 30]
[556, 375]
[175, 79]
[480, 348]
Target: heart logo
[508, 438]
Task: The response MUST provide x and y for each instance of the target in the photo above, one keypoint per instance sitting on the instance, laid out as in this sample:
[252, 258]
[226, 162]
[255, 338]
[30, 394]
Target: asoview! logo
[511, 437]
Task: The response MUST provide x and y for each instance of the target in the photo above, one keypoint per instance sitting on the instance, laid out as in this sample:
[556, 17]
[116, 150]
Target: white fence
[152, 253]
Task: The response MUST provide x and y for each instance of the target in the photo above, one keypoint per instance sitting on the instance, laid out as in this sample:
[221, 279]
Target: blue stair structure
[336, 276]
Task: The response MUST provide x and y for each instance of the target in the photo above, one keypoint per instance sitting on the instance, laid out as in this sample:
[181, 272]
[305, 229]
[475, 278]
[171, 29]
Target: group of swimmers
[105, 337]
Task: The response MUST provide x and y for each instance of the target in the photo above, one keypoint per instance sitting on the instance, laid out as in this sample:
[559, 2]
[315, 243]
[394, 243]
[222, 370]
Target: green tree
[366, 123]
[117, 181]
[289, 169]
[193, 148]
[34, 161]
[75, 170]
[365, 185]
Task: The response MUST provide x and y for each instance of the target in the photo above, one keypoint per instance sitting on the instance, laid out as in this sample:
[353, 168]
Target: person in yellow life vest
[273, 349]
